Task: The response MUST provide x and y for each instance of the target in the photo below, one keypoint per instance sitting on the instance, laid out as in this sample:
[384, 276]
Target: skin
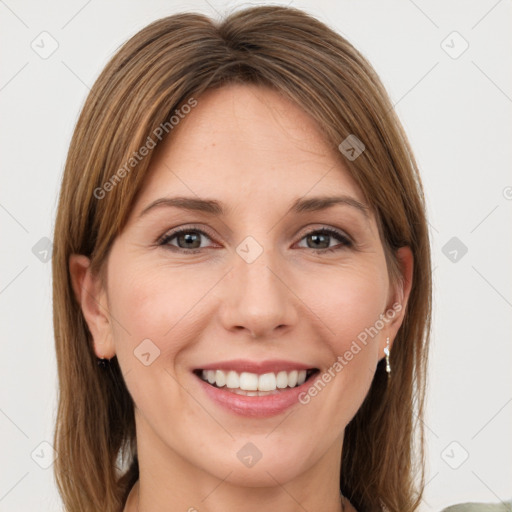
[256, 152]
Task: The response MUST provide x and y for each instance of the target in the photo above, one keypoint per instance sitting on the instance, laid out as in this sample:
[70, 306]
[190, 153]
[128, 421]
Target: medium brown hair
[153, 74]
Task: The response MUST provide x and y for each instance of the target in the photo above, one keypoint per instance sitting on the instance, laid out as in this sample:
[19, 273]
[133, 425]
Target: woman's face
[252, 286]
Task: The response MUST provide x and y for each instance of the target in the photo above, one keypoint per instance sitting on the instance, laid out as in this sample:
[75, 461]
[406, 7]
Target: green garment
[480, 507]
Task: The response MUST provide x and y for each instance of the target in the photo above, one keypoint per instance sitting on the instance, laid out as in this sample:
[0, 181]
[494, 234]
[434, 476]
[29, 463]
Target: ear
[398, 297]
[92, 297]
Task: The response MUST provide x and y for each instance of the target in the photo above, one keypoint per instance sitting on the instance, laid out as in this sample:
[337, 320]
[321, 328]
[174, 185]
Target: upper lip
[258, 367]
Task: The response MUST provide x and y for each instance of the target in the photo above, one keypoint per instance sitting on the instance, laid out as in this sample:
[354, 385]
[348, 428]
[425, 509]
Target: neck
[168, 482]
[133, 502]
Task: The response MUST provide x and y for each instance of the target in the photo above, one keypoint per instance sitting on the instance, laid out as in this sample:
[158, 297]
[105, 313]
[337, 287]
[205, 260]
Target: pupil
[317, 237]
[191, 238]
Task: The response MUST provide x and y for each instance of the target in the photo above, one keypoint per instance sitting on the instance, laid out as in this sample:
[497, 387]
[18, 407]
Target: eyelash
[345, 241]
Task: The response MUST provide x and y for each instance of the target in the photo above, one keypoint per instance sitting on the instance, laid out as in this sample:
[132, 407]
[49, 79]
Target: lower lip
[256, 406]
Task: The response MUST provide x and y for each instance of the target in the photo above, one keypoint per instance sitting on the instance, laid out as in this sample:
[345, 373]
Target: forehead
[245, 145]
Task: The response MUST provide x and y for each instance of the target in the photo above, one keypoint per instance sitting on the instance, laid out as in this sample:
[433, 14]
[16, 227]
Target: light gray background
[457, 113]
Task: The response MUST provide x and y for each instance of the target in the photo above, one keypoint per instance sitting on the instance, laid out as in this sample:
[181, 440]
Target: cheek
[349, 301]
[155, 303]
[163, 305]
[350, 304]
[154, 310]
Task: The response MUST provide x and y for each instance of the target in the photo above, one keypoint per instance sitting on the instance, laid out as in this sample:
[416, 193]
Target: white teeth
[282, 380]
[254, 383]
[232, 380]
[267, 382]
[220, 378]
[249, 381]
[253, 393]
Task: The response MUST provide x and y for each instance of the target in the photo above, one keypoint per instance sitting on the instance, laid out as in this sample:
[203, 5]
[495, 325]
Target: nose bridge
[259, 300]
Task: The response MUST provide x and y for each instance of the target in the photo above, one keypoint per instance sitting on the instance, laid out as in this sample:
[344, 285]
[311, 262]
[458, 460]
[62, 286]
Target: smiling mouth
[253, 384]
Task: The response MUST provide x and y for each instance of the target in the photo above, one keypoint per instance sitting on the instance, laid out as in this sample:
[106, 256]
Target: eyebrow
[213, 207]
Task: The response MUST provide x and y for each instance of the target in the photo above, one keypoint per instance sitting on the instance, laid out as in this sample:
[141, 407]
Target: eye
[187, 239]
[320, 240]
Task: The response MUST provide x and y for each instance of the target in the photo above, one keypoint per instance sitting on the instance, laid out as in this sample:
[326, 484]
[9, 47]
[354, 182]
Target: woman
[241, 245]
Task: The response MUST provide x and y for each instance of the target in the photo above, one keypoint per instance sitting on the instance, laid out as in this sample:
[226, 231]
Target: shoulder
[480, 507]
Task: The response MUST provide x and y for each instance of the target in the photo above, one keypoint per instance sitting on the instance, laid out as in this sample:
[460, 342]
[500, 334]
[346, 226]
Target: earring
[102, 363]
[386, 351]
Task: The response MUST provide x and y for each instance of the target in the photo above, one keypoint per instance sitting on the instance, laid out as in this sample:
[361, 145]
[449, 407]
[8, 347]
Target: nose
[257, 298]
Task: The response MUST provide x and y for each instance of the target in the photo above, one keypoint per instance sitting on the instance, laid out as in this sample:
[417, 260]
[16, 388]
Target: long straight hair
[152, 75]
